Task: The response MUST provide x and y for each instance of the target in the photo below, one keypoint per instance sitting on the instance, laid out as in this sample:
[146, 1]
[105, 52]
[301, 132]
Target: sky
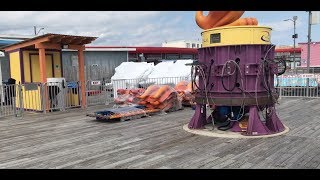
[144, 28]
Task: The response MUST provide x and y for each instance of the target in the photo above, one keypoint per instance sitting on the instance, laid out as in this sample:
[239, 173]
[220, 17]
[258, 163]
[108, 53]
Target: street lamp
[294, 36]
[35, 30]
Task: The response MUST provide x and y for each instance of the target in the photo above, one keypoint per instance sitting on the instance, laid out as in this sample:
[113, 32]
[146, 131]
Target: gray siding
[5, 68]
[98, 64]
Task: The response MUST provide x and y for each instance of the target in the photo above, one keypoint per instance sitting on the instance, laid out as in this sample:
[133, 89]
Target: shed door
[35, 67]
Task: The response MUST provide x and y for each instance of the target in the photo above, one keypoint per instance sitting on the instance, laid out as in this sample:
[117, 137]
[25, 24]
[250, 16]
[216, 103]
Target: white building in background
[183, 44]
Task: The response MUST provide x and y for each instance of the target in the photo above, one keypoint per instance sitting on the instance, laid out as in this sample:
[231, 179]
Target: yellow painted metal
[57, 64]
[15, 71]
[236, 35]
[74, 99]
[56, 67]
[26, 66]
[32, 99]
[36, 67]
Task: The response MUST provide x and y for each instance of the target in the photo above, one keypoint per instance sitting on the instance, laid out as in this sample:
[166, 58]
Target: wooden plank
[72, 140]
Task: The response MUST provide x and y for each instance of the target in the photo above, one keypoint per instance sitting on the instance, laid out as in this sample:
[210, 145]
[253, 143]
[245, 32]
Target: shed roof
[51, 38]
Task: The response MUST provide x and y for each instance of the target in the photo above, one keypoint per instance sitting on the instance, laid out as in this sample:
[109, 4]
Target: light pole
[294, 36]
[35, 30]
[308, 55]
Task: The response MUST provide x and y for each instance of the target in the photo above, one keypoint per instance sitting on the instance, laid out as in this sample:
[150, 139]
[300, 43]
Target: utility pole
[294, 43]
[308, 52]
[309, 41]
[35, 30]
[294, 36]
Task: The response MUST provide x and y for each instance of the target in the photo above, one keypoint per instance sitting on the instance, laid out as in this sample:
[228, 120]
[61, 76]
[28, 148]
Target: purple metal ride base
[249, 58]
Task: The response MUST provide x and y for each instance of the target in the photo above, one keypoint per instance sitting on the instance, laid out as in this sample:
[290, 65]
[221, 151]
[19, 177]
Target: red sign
[95, 83]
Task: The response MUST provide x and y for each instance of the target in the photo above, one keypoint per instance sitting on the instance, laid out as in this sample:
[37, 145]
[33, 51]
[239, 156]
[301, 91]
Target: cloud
[126, 28]
[134, 28]
[112, 28]
[281, 26]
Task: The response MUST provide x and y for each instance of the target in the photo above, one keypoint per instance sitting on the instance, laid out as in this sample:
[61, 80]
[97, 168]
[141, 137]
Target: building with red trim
[153, 54]
[314, 54]
[301, 53]
[101, 61]
[289, 54]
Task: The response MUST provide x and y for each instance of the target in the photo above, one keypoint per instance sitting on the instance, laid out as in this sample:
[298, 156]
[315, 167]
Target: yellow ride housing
[236, 35]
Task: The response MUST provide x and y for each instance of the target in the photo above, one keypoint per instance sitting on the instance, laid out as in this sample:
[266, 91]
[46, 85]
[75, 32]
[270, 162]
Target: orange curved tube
[161, 91]
[190, 86]
[222, 18]
[155, 103]
[149, 90]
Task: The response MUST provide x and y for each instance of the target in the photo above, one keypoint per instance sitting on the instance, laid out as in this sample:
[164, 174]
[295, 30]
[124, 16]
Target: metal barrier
[145, 83]
[46, 97]
[298, 92]
[38, 97]
[30, 98]
[99, 92]
[8, 97]
[60, 96]
[72, 95]
[290, 87]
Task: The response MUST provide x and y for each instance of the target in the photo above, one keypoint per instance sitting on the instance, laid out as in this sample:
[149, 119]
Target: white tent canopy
[132, 74]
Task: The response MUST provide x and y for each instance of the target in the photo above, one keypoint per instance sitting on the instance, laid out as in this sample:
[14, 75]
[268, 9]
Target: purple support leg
[255, 125]
[209, 119]
[199, 118]
[273, 122]
[236, 127]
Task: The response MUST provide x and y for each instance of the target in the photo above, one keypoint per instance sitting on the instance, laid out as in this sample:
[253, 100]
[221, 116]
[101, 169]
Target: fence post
[13, 96]
[307, 86]
[280, 92]
[20, 97]
[43, 97]
[2, 100]
[279, 86]
[86, 93]
[63, 98]
[79, 91]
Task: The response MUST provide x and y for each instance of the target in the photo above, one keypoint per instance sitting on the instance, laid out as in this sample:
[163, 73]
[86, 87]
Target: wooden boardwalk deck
[72, 140]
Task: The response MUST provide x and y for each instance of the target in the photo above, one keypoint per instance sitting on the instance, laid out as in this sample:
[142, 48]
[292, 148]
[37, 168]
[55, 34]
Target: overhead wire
[205, 85]
[204, 79]
[242, 83]
[262, 68]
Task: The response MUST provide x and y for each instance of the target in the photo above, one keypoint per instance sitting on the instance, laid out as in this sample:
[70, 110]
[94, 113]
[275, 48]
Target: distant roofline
[12, 36]
[310, 42]
[182, 41]
[140, 49]
[297, 50]
[97, 46]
